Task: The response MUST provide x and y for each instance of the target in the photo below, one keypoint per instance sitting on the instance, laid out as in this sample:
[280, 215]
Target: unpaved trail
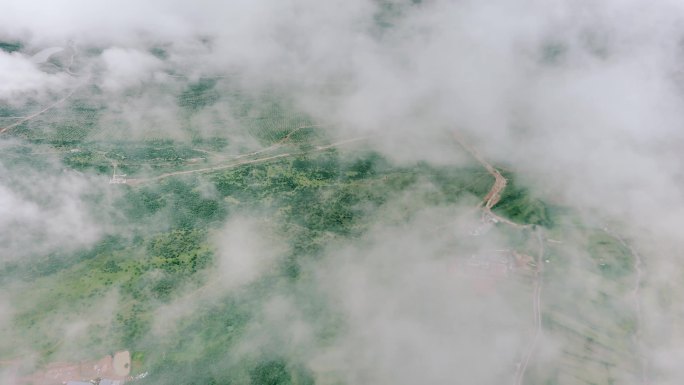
[133, 181]
[35, 115]
[636, 299]
[206, 169]
[536, 308]
[272, 147]
[15, 361]
[640, 316]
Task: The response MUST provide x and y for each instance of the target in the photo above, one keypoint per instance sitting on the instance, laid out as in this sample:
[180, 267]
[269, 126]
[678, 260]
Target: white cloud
[245, 251]
[582, 98]
[44, 212]
[19, 77]
[127, 68]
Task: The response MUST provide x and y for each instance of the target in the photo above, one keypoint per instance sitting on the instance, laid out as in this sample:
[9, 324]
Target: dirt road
[488, 202]
[636, 299]
[35, 115]
[494, 195]
[536, 308]
[234, 164]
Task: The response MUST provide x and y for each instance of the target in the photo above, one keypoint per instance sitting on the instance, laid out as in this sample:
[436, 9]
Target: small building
[495, 264]
[118, 179]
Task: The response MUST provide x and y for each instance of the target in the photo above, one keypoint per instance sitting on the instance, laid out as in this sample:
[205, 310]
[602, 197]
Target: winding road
[488, 202]
[494, 195]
